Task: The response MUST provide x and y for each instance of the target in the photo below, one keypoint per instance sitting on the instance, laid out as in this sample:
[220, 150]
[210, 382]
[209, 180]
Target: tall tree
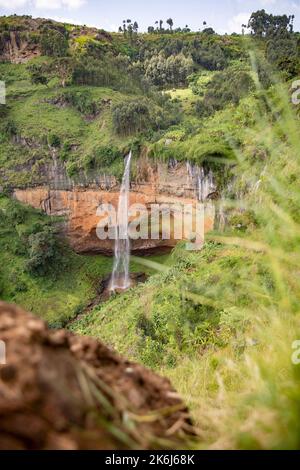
[170, 23]
[263, 24]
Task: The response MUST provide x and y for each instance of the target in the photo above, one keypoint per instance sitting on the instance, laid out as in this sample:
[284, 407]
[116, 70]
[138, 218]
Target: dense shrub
[43, 252]
[225, 87]
[283, 53]
[82, 101]
[54, 140]
[210, 56]
[132, 116]
[54, 43]
[102, 157]
[172, 70]
[38, 75]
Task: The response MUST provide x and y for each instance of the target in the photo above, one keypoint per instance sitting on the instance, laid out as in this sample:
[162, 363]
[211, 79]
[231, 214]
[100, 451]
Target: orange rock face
[79, 207]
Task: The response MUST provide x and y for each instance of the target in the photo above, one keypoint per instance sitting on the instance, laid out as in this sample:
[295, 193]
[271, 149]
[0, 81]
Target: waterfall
[120, 277]
[204, 183]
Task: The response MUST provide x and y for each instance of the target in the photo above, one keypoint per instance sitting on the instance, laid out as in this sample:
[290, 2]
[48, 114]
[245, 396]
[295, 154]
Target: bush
[82, 101]
[224, 88]
[54, 43]
[43, 252]
[131, 117]
[172, 71]
[102, 157]
[54, 140]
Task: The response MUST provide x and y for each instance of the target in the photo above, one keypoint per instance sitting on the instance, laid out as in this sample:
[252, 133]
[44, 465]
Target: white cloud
[235, 23]
[266, 3]
[58, 4]
[12, 3]
[43, 4]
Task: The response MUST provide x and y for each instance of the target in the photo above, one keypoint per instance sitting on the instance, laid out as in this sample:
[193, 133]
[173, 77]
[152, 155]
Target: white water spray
[120, 279]
[204, 183]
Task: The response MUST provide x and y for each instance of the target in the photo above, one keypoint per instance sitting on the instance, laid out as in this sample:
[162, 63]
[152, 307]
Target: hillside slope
[222, 323]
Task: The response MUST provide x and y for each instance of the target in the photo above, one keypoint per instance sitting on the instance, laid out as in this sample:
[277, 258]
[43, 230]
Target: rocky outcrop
[61, 391]
[157, 183]
[17, 48]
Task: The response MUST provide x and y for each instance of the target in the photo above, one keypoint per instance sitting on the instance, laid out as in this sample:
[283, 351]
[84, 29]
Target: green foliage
[211, 55]
[264, 24]
[225, 87]
[44, 252]
[38, 271]
[168, 71]
[82, 101]
[131, 117]
[135, 116]
[37, 75]
[54, 140]
[283, 53]
[102, 157]
[54, 43]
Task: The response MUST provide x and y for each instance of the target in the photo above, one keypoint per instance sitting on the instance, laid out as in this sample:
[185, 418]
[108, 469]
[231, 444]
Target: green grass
[35, 118]
[63, 293]
[58, 296]
[221, 323]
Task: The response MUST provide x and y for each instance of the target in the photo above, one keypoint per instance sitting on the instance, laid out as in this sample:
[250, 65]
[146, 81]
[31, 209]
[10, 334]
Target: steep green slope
[59, 286]
[223, 323]
[40, 272]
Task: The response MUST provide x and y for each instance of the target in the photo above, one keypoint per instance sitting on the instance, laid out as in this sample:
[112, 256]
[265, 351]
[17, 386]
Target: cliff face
[156, 184]
[17, 49]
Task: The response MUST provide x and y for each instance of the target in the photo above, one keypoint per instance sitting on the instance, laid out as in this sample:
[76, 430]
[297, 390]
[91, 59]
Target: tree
[172, 70]
[135, 27]
[130, 117]
[43, 252]
[161, 25]
[130, 30]
[170, 23]
[151, 29]
[120, 29]
[54, 43]
[292, 18]
[37, 75]
[209, 31]
[262, 24]
[64, 68]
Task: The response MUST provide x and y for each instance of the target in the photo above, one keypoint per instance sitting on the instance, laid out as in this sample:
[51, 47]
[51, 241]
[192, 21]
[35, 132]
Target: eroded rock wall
[161, 185]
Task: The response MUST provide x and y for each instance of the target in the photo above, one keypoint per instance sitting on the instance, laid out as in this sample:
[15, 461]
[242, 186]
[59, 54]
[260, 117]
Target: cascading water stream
[120, 279]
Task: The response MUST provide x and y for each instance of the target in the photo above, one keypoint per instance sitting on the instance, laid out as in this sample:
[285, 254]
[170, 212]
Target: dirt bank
[62, 391]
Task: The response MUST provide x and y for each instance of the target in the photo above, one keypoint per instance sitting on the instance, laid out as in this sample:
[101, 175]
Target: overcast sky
[222, 15]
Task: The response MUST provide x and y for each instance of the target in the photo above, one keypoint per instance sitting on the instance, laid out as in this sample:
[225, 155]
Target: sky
[223, 15]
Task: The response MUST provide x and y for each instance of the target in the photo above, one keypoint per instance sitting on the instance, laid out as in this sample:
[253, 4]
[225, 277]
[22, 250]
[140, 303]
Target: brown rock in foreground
[61, 391]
